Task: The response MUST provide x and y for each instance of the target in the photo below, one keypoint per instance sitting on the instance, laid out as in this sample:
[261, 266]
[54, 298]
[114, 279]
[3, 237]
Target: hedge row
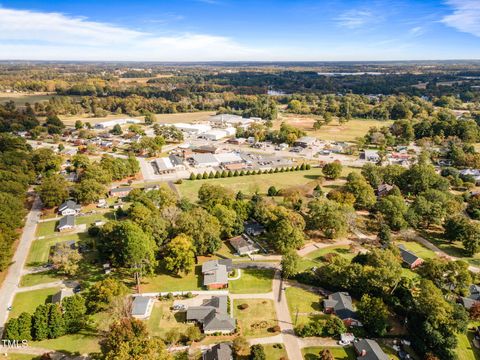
[230, 173]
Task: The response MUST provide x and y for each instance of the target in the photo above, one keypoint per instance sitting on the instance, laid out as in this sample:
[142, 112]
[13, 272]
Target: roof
[121, 189]
[213, 314]
[253, 227]
[384, 188]
[175, 160]
[369, 350]
[164, 164]
[221, 351]
[66, 221]
[62, 294]
[341, 302]
[216, 271]
[242, 245]
[140, 305]
[369, 153]
[230, 157]
[204, 159]
[407, 256]
[69, 204]
[306, 140]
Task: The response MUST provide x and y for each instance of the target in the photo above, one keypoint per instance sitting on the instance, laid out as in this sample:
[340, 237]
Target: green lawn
[315, 257]
[164, 281]
[275, 351]
[40, 249]
[418, 249]
[465, 348]
[39, 278]
[29, 300]
[82, 343]
[46, 228]
[90, 219]
[163, 319]
[13, 356]
[339, 353]
[252, 281]
[302, 300]
[257, 320]
[254, 183]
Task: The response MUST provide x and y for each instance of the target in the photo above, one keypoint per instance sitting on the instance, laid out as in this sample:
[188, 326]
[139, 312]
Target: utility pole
[296, 315]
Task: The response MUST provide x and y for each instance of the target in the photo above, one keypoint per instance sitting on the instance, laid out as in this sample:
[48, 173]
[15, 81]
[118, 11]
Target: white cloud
[465, 16]
[53, 36]
[353, 19]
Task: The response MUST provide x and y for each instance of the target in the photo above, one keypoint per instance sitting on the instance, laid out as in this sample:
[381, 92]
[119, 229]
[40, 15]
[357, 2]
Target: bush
[243, 306]
[189, 295]
[199, 176]
[179, 181]
[192, 176]
[169, 296]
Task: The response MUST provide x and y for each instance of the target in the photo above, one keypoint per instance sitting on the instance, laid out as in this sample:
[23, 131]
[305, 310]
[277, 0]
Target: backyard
[339, 353]
[252, 281]
[303, 303]
[163, 319]
[258, 319]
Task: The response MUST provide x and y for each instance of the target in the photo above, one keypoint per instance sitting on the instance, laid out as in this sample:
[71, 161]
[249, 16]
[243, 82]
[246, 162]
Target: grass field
[254, 183]
[40, 249]
[418, 249]
[275, 351]
[21, 98]
[315, 257]
[13, 356]
[256, 320]
[29, 300]
[339, 353]
[46, 228]
[333, 131]
[252, 281]
[164, 281]
[39, 278]
[465, 348]
[163, 319]
[82, 343]
[303, 301]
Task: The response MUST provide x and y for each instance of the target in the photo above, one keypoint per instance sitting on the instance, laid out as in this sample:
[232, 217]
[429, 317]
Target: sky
[240, 30]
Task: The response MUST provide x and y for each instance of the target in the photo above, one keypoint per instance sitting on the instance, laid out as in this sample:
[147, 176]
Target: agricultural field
[257, 320]
[21, 98]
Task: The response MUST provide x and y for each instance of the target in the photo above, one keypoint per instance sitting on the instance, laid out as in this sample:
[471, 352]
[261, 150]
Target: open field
[21, 98]
[252, 281]
[302, 301]
[333, 131]
[339, 353]
[84, 342]
[29, 300]
[39, 278]
[315, 257]
[257, 319]
[163, 319]
[418, 249]
[13, 356]
[163, 281]
[275, 351]
[465, 348]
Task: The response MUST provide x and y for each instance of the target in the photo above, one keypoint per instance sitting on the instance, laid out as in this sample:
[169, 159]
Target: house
[58, 297]
[102, 203]
[59, 247]
[69, 207]
[229, 158]
[470, 300]
[120, 192]
[222, 351]
[473, 173]
[215, 134]
[383, 190]
[142, 307]
[409, 258]
[66, 223]
[340, 304]
[371, 155]
[253, 228]
[112, 123]
[215, 273]
[243, 245]
[213, 316]
[367, 349]
[305, 141]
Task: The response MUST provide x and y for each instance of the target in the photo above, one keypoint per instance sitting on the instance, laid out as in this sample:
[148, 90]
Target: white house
[69, 207]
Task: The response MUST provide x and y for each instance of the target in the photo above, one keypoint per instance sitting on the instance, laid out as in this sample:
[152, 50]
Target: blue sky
[269, 30]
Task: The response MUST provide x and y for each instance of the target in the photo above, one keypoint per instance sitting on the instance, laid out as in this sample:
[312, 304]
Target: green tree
[272, 191]
[40, 323]
[11, 331]
[53, 191]
[78, 125]
[334, 326]
[393, 210]
[117, 130]
[332, 170]
[74, 313]
[150, 118]
[45, 161]
[25, 326]
[180, 254]
[103, 293]
[66, 259]
[329, 217]
[203, 228]
[56, 324]
[373, 314]
[257, 352]
[362, 191]
[89, 191]
[290, 262]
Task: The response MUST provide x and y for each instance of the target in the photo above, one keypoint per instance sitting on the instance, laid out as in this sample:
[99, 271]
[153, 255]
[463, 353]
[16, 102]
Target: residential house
[367, 349]
[372, 155]
[253, 228]
[69, 207]
[470, 300]
[340, 304]
[222, 351]
[215, 273]
[120, 192]
[409, 258]
[66, 223]
[58, 297]
[142, 307]
[383, 190]
[213, 316]
[243, 245]
[473, 173]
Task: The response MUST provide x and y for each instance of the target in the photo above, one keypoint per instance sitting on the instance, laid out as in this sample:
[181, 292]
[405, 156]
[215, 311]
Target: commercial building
[112, 123]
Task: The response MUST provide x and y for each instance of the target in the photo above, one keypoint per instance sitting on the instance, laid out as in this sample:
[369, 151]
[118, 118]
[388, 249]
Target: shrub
[243, 306]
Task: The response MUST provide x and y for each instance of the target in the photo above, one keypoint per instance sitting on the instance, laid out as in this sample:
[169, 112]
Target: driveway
[9, 286]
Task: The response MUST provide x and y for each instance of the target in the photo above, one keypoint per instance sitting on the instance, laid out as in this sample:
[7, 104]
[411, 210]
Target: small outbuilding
[142, 307]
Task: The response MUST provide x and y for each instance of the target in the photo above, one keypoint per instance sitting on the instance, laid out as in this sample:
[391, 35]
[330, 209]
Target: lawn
[254, 183]
[252, 281]
[82, 343]
[303, 301]
[29, 300]
[315, 257]
[418, 249]
[90, 219]
[39, 278]
[40, 249]
[164, 281]
[13, 356]
[46, 228]
[257, 320]
[275, 351]
[163, 319]
[465, 348]
[339, 353]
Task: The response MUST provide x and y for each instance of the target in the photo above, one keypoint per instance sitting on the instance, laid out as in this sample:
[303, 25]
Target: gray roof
[341, 302]
[242, 245]
[69, 204]
[253, 228]
[176, 160]
[407, 256]
[213, 314]
[216, 271]
[140, 305]
[470, 300]
[121, 189]
[68, 220]
[306, 140]
[62, 294]
[204, 158]
[221, 351]
[369, 350]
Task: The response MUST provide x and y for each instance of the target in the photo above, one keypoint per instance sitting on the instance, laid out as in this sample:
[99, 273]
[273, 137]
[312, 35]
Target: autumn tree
[180, 254]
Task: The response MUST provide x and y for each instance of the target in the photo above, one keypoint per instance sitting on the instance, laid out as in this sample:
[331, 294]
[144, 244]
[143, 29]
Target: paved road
[9, 286]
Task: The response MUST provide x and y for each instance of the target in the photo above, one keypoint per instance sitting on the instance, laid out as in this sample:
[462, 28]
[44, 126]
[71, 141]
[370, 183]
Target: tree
[66, 259]
[101, 294]
[257, 352]
[329, 217]
[180, 254]
[334, 326]
[117, 130]
[53, 191]
[151, 145]
[25, 326]
[150, 118]
[393, 210]
[11, 331]
[78, 125]
[290, 260]
[332, 170]
[373, 314]
[240, 346]
[361, 190]
[203, 228]
[420, 178]
[74, 313]
[272, 191]
[210, 195]
[40, 323]
[459, 228]
[45, 161]
[474, 311]
[129, 339]
[448, 275]
[193, 333]
[384, 235]
[89, 191]
[326, 354]
[56, 324]
[230, 222]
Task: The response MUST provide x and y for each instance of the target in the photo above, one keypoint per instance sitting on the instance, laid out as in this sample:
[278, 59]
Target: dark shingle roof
[212, 314]
[407, 256]
[221, 351]
[369, 350]
[68, 220]
[341, 302]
